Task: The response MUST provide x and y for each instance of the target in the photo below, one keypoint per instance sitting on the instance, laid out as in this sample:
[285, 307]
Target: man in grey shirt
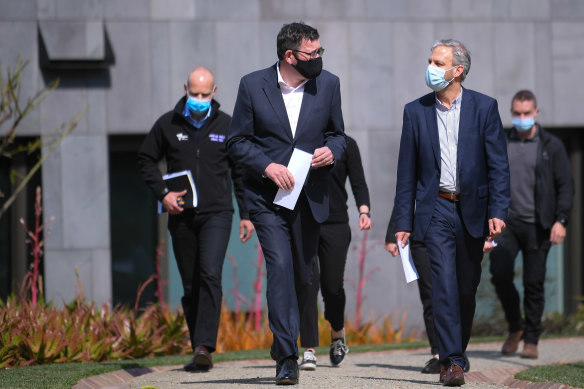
[541, 198]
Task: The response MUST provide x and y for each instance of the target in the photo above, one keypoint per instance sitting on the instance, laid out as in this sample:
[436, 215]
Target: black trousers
[422, 263]
[534, 244]
[327, 273]
[200, 243]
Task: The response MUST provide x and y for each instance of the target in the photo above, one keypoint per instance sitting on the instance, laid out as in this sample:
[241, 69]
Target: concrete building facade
[128, 60]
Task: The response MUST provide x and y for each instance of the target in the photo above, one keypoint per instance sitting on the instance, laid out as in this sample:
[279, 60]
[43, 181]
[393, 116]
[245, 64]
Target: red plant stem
[157, 259]
[362, 279]
[257, 310]
[235, 289]
[36, 247]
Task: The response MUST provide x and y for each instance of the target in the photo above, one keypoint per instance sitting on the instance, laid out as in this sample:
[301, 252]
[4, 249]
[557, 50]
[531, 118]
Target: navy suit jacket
[483, 169]
[260, 134]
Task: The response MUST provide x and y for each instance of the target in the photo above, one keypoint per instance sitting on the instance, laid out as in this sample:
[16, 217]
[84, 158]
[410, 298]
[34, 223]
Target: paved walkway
[386, 369]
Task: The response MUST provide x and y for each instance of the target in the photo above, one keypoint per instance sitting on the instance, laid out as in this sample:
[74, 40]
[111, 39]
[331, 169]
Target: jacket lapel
[432, 126]
[308, 100]
[465, 126]
[274, 95]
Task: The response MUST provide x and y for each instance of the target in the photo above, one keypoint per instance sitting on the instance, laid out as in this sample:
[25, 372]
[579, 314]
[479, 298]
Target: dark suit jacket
[483, 169]
[260, 134]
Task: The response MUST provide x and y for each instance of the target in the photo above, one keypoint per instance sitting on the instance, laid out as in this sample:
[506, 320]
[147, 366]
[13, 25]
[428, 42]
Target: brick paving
[388, 369]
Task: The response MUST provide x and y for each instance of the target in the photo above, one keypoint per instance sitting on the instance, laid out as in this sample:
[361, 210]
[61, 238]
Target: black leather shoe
[432, 366]
[190, 366]
[289, 373]
[202, 359]
[467, 367]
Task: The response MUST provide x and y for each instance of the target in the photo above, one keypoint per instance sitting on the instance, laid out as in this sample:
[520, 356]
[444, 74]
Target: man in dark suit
[292, 104]
[453, 171]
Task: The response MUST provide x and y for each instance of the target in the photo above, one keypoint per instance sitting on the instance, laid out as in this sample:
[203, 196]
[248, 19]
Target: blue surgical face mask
[435, 78]
[523, 124]
[198, 106]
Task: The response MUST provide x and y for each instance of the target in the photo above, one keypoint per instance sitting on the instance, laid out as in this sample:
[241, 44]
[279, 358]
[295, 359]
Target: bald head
[201, 84]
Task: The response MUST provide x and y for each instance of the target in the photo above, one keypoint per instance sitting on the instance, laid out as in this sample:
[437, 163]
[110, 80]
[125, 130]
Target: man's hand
[246, 229]
[558, 233]
[488, 246]
[280, 175]
[170, 202]
[402, 236]
[496, 228]
[364, 222]
[391, 248]
[322, 156]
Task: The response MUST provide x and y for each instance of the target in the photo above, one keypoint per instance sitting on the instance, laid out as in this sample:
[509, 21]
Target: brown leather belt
[449, 196]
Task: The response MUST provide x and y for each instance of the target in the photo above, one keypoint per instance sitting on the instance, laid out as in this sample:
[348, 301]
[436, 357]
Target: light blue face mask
[198, 106]
[523, 124]
[435, 78]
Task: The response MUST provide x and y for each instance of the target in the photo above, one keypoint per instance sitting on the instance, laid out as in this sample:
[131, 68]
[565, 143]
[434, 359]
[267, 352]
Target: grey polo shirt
[522, 158]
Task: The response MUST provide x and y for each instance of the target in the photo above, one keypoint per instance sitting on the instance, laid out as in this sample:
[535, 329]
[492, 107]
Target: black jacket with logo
[202, 151]
[554, 186]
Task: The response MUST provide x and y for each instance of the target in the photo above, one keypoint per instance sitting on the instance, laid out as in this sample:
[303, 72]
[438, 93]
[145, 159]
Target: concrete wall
[378, 48]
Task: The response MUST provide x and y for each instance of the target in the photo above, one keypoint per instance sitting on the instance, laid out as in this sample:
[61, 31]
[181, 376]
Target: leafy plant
[13, 111]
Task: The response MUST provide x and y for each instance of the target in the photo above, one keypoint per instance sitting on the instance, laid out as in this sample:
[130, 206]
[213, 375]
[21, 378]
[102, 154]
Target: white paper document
[299, 166]
[407, 262]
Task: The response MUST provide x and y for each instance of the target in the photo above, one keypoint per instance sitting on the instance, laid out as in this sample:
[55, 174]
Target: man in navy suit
[453, 171]
[292, 104]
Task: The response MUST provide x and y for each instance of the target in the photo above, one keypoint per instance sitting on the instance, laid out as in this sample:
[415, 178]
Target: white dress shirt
[292, 100]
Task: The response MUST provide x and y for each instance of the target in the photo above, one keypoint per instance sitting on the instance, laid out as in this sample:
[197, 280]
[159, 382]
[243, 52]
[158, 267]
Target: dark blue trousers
[289, 242]
[455, 259]
[422, 264]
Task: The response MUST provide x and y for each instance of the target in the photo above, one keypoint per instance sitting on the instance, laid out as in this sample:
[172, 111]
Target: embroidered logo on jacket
[217, 137]
[180, 136]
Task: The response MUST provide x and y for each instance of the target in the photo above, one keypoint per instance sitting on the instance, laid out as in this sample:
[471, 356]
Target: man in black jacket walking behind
[542, 191]
[193, 137]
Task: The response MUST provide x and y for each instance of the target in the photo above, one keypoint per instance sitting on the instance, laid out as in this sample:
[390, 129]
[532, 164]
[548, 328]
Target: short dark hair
[524, 95]
[291, 35]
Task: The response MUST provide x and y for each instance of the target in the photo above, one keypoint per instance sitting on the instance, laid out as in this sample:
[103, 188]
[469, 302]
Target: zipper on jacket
[197, 161]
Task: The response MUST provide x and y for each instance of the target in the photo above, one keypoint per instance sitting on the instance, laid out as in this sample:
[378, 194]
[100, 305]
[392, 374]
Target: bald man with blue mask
[192, 137]
[200, 89]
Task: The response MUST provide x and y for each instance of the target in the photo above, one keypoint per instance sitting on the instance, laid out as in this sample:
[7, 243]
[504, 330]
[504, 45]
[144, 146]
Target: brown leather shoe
[529, 351]
[442, 374]
[203, 359]
[453, 375]
[512, 342]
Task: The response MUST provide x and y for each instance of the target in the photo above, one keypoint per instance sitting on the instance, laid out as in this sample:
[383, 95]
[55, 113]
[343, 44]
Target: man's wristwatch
[563, 221]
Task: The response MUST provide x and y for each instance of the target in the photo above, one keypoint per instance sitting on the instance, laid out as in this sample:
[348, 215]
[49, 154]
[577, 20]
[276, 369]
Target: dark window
[15, 252]
[133, 219]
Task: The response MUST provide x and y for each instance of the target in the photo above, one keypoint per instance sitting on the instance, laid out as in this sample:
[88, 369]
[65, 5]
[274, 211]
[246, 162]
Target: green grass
[571, 374]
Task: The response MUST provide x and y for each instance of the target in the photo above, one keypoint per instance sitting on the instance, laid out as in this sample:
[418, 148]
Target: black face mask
[309, 69]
